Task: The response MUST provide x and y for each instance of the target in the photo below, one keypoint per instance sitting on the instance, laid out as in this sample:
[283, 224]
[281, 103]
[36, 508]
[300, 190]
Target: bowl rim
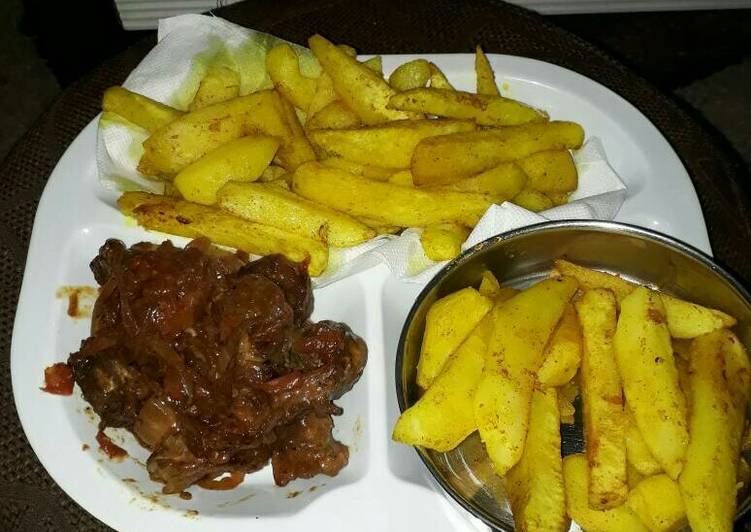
[591, 225]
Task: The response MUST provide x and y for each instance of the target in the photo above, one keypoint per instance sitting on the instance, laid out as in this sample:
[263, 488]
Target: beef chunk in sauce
[213, 364]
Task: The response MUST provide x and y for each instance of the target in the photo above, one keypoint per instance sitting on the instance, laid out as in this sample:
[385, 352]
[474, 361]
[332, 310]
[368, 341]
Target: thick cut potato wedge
[138, 109]
[335, 115]
[535, 483]
[285, 210]
[645, 361]
[604, 420]
[363, 90]
[576, 478]
[410, 75]
[389, 145]
[500, 183]
[484, 109]
[283, 67]
[550, 171]
[402, 178]
[559, 198]
[719, 383]
[438, 79]
[532, 200]
[182, 218]
[523, 325]
[376, 173]
[193, 135]
[658, 503]
[324, 94]
[685, 320]
[220, 84]
[242, 159]
[448, 323]
[637, 453]
[273, 173]
[563, 353]
[384, 202]
[489, 285]
[443, 241]
[442, 418]
[484, 73]
[450, 158]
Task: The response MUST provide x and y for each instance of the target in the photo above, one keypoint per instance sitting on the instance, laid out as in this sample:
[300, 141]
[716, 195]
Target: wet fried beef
[213, 364]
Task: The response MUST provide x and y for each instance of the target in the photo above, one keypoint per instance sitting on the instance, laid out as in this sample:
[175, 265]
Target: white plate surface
[385, 486]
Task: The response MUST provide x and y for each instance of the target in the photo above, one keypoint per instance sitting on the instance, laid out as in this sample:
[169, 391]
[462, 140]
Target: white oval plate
[385, 486]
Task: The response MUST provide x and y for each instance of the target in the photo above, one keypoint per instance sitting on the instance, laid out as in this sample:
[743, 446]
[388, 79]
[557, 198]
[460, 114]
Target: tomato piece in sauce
[58, 379]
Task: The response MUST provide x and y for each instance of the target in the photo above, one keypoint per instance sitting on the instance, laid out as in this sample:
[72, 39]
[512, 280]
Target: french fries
[576, 479]
[501, 183]
[644, 355]
[684, 319]
[484, 109]
[283, 67]
[438, 79]
[447, 324]
[658, 503]
[523, 325]
[242, 159]
[449, 158]
[384, 202]
[484, 73]
[563, 352]
[410, 75]
[443, 241]
[535, 483]
[388, 145]
[637, 453]
[719, 388]
[137, 109]
[489, 285]
[285, 210]
[178, 217]
[220, 84]
[550, 171]
[443, 416]
[363, 90]
[335, 115]
[532, 200]
[376, 173]
[603, 401]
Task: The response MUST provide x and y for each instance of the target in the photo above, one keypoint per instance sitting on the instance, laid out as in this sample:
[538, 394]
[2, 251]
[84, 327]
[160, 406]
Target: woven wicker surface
[31, 500]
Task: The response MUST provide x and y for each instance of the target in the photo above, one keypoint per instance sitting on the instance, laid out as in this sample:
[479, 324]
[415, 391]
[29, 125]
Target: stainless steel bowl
[519, 257]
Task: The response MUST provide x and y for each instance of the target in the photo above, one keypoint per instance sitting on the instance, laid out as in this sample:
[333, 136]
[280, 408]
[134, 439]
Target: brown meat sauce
[214, 365]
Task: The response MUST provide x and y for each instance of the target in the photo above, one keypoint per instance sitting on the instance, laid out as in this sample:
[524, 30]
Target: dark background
[702, 57]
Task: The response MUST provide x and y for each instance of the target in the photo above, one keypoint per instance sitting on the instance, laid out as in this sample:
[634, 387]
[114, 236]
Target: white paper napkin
[170, 73]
